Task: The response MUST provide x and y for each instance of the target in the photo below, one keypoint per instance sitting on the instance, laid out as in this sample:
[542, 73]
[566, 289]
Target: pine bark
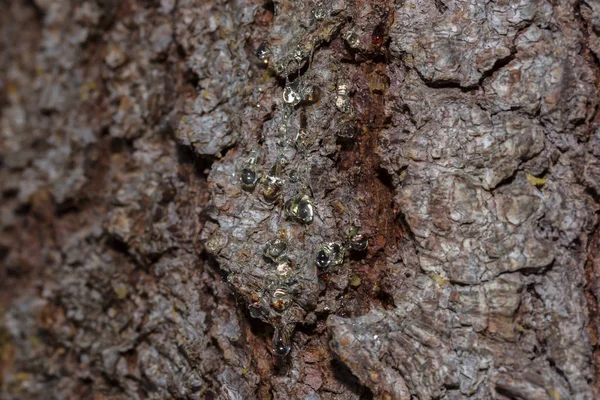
[150, 151]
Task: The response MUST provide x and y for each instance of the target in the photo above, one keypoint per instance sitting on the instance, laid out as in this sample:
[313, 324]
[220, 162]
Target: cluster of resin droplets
[299, 208]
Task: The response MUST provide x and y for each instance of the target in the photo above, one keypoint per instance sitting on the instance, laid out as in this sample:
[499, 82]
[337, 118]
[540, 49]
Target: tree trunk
[313, 199]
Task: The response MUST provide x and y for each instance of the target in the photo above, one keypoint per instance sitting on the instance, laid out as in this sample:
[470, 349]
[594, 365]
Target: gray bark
[152, 151]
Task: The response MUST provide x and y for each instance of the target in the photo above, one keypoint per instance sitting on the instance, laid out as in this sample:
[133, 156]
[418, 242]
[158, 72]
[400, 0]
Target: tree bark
[189, 186]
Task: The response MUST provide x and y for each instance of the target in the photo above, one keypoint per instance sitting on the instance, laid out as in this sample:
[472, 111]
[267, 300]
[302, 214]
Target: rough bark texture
[150, 151]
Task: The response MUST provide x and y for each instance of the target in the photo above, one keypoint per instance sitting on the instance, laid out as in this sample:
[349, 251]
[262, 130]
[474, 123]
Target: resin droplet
[343, 90]
[284, 270]
[290, 96]
[281, 342]
[275, 249]
[342, 87]
[263, 53]
[254, 305]
[359, 242]
[323, 260]
[320, 12]
[281, 300]
[273, 182]
[305, 211]
[347, 131]
[330, 255]
[272, 188]
[303, 140]
[300, 209]
[312, 94]
[299, 54]
[249, 177]
[352, 39]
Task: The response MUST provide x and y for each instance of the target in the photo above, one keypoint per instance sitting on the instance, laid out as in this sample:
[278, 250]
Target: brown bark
[149, 155]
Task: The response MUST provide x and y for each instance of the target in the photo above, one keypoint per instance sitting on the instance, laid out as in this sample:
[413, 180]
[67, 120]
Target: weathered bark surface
[132, 255]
